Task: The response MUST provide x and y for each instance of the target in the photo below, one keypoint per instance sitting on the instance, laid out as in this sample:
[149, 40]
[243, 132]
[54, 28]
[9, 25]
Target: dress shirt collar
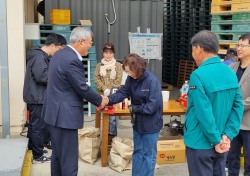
[79, 56]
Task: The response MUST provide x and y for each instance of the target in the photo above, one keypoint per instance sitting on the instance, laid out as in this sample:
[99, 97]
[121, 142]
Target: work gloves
[133, 109]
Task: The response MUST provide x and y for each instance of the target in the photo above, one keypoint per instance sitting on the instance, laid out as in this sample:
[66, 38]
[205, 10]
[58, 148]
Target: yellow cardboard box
[170, 149]
[60, 16]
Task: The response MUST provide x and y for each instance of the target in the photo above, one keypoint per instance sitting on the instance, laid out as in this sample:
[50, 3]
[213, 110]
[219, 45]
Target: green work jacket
[214, 105]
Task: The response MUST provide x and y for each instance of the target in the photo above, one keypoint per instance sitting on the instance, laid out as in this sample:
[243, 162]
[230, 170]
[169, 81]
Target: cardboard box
[170, 149]
[60, 16]
[86, 22]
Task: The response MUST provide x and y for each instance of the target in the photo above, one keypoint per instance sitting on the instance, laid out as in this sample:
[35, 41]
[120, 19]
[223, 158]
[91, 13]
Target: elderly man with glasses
[63, 104]
[242, 70]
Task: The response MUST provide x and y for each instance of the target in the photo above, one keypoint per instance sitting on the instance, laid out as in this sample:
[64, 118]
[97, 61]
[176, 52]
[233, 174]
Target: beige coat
[245, 90]
[104, 82]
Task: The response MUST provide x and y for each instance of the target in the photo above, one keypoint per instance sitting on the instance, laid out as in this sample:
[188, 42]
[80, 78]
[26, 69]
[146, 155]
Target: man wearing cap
[231, 56]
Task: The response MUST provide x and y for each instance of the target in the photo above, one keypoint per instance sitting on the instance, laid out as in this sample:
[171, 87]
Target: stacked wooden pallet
[230, 19]
[186, 67]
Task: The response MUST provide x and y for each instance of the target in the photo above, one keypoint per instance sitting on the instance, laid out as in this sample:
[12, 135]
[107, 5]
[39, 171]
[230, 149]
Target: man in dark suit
[63, 108]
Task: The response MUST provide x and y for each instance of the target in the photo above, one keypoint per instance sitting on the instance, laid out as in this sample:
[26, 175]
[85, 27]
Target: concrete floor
[125, 131]
[85, 169]
[12, 154]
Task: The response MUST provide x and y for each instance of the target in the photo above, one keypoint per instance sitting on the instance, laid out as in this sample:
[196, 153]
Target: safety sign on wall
[147, 45]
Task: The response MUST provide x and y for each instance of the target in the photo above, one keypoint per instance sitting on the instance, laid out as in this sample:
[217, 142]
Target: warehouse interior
[113, 20]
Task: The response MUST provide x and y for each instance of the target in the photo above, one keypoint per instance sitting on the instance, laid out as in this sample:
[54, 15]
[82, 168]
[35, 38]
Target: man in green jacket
[214, 111]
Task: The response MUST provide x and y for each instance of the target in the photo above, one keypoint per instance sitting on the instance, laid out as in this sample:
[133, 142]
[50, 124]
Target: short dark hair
[206, 40]
[245, 36]
[55, 39]
[135, 63]
[229, 56]
[108, 46]
[232, 51]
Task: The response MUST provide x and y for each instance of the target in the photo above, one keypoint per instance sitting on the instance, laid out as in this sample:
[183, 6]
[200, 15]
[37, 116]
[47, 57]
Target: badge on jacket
[192, 87]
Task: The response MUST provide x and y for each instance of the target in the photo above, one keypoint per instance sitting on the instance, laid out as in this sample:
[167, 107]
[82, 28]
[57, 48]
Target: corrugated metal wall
[130, 15]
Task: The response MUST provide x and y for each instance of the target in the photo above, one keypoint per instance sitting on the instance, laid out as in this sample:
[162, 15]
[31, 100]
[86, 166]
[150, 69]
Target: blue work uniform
[145, 93]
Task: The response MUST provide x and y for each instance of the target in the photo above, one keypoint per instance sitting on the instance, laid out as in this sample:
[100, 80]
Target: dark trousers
[64, 160]
[36, 130]
[205, 162]
[47, 134]
[242, 139]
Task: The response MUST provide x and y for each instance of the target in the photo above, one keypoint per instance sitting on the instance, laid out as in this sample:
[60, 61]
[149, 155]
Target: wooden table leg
[104, 153]
[97, 119]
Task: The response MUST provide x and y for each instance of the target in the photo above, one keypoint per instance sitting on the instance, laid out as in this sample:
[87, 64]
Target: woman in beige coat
[108, 74]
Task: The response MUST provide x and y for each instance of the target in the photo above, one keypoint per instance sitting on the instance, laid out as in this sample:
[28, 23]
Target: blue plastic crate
[92, 56]
[65, 28]
[36, 43]
[44, 34]
[92, 49]
[62, 28]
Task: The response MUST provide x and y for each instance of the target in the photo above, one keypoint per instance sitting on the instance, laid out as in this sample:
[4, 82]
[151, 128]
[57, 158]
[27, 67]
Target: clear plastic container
[184, 88]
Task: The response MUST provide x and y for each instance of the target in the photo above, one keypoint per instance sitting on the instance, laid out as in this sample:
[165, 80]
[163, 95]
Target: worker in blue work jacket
[215, 109]
[146, 108]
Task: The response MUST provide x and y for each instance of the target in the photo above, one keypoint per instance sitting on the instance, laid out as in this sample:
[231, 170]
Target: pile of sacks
[120, 157]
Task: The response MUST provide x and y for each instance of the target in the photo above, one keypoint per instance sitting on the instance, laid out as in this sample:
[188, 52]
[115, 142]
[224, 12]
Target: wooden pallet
[230, 7]
[186, 67]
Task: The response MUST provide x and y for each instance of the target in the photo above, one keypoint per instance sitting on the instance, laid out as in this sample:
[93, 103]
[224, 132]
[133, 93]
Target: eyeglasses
[241, 45]
[89, 42]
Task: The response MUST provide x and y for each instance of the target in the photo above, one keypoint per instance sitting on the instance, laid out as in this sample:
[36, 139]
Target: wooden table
[170, 107]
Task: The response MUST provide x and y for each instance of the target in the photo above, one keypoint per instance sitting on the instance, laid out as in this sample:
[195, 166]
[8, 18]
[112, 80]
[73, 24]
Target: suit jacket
[63, 106]
[245, 90]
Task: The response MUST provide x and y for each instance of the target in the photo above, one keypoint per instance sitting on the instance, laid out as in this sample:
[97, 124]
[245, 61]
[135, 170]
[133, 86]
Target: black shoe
[42, 159]
[48, 145]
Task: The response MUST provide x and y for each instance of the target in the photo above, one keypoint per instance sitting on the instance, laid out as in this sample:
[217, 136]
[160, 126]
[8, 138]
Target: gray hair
[206, 40]
[79, 33]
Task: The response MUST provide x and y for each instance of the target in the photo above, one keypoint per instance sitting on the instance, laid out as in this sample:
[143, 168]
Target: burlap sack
[89, 144]
[121, 154]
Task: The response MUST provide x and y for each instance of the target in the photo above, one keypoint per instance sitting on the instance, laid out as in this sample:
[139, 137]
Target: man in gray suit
[242, 69]
[63, 108]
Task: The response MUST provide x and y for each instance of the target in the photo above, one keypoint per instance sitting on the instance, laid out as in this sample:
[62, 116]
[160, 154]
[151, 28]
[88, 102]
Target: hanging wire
[106, 16]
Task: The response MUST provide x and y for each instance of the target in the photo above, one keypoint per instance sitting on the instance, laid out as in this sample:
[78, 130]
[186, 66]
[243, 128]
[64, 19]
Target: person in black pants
[35, 84]
[63, 104]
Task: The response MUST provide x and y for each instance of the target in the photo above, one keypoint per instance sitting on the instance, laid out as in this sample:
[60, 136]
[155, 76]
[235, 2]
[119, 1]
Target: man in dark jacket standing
[35, 83]
[63, 106]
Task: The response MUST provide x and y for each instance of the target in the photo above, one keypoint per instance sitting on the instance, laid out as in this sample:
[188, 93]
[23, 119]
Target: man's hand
[224, 145]
[105, 101]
